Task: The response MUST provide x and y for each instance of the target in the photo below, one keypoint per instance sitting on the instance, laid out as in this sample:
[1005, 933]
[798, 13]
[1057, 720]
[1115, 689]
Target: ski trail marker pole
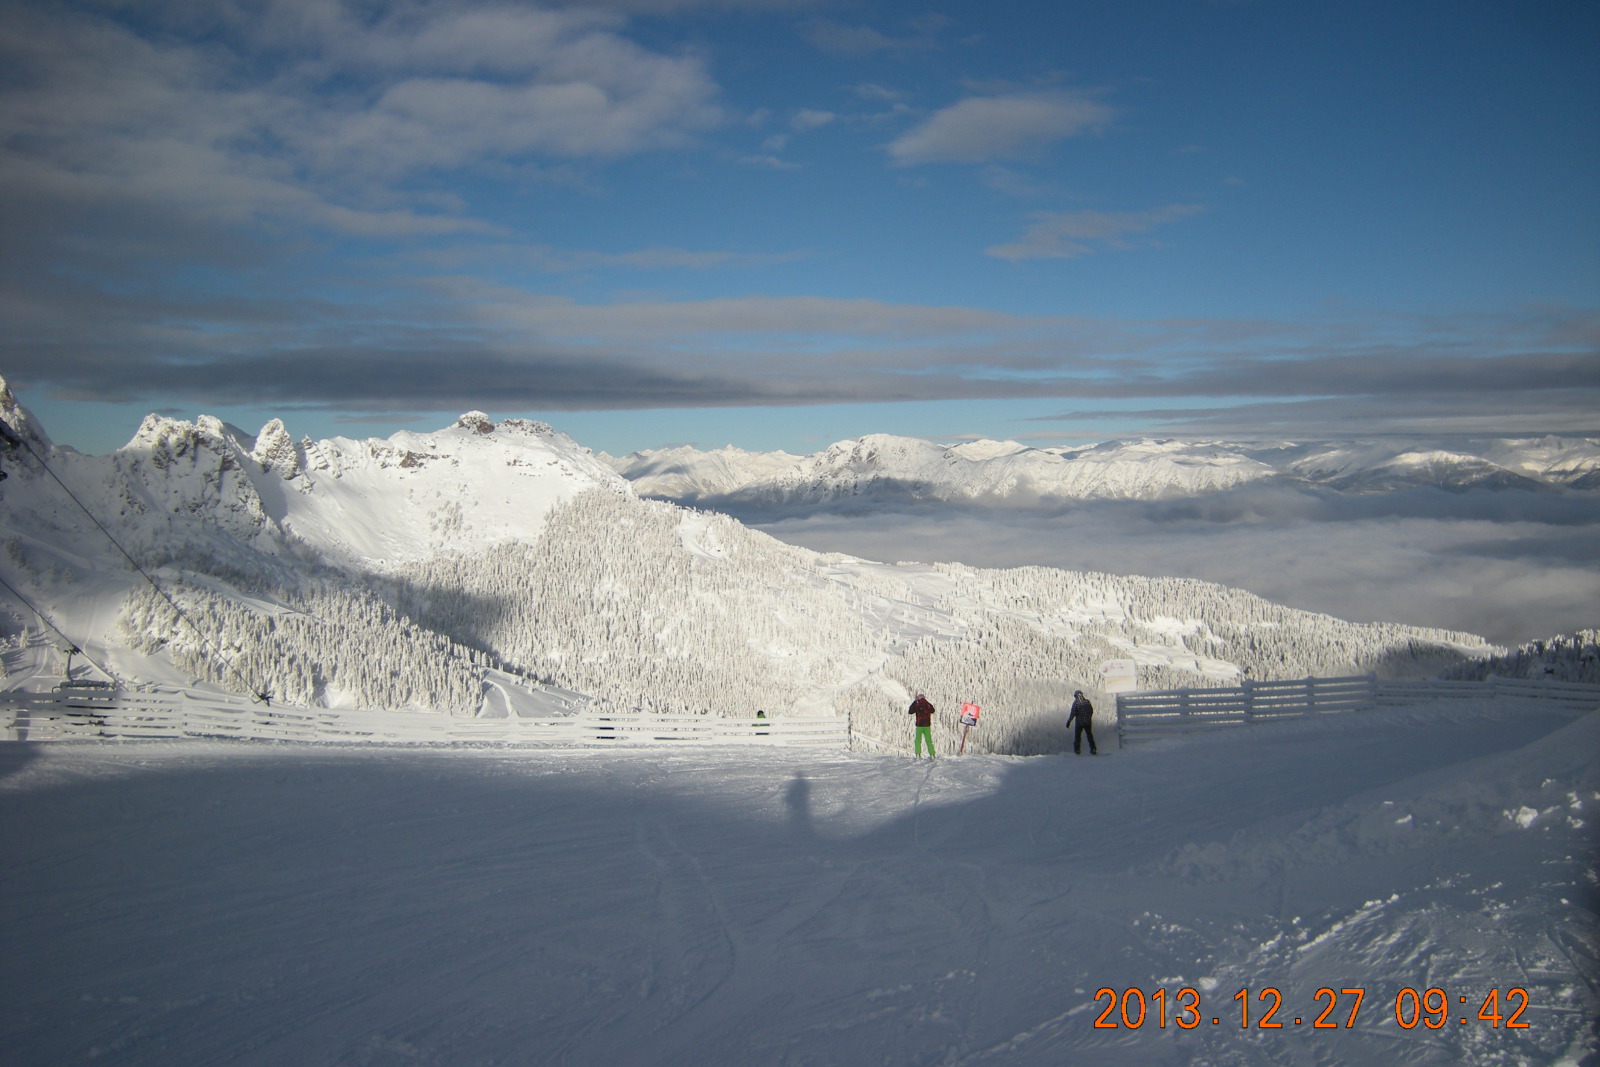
[969, 719]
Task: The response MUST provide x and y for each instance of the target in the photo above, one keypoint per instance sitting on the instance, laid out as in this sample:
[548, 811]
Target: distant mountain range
[881, 467]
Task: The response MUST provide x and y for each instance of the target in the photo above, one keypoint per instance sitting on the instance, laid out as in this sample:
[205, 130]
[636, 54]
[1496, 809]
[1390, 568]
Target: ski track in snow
[213, 903]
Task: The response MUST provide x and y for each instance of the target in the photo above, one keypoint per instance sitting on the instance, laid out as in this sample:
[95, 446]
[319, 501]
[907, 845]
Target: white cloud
[874, 91]
[1364, 559]
[1063, 235]
[809, 119]
[982, 128]
[312, 114]
[560, 261]
[482, 85]
[436, 122]
[1022, 186]
[805, 320]
[770, 162]
[858, 41]
[505, 41]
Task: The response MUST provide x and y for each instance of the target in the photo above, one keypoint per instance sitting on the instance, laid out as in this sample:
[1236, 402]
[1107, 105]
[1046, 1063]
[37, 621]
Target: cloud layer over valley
[1511, 569]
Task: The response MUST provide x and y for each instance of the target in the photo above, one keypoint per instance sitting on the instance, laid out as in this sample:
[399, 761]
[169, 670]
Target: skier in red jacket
[924, 713]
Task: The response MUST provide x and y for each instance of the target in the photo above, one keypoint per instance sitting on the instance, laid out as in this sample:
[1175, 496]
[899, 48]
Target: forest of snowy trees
[1563, 658]
[1032, 635]
[334, 646]
[618, 601]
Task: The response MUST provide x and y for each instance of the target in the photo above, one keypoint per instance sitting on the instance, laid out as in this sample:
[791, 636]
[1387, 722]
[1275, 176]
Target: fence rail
[105, 712]
[64, 715]
[1150, 712]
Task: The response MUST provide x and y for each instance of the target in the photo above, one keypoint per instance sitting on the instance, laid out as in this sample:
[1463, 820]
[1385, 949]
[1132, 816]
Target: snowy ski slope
[253, 904]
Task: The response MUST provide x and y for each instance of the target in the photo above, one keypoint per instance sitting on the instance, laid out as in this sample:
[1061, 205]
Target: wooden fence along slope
[1151, 712]
[106, 712]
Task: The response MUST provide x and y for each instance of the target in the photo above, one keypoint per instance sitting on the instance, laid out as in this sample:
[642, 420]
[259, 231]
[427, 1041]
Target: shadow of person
[797, 799]
[14, 756]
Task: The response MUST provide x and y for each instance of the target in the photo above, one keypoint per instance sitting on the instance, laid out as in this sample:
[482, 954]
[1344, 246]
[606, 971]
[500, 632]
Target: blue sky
[777, 223]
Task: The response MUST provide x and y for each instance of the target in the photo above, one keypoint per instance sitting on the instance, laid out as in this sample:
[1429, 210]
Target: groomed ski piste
[265, 904]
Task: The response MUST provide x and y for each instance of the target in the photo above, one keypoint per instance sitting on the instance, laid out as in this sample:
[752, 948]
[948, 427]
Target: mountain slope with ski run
[430, 571]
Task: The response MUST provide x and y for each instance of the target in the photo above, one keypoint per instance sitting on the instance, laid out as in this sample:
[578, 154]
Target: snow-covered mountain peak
[1572, 461]
[1147, 446]
[983, 450]
[276, 451]
[1366, 466]
[201, 471]
[461, 488]
[480, 424]
[1001, 471]
[476, 421]
[464, 487]
[890, 441]
[20, 419]
[166, 439]
[686, 473]
[873, 450]
[886, 467]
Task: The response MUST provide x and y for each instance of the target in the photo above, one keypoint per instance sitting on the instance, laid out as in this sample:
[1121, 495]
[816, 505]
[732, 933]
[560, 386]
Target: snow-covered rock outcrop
[20, 421]
[277, 452]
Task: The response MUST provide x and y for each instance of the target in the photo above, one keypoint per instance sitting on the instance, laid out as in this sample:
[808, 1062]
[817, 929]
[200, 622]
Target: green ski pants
[924, 733]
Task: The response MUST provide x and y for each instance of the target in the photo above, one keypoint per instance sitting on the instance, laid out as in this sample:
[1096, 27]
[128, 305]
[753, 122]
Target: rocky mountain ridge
[891, 469]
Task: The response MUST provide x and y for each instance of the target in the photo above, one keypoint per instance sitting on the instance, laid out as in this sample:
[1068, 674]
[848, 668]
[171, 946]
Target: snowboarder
[1081, 719]
[762, 715]
[924, 713]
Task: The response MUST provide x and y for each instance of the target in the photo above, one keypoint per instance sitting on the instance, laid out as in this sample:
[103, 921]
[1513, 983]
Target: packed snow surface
[211, 903]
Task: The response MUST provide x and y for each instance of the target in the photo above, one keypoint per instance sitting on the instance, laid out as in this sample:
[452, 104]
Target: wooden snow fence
[168, 713]
[1151, 712]
[1578, 694]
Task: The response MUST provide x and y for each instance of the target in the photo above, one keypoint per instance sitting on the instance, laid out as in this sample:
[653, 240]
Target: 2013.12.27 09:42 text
[1132, 1008]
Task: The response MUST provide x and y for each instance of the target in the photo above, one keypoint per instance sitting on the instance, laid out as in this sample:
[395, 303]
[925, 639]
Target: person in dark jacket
[1081, 718]
[924, 713]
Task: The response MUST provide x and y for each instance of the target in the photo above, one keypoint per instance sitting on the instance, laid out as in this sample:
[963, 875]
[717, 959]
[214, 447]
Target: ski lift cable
[259, 692]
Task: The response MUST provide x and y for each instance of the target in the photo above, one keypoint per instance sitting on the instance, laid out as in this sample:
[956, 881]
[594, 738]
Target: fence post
[1249, 703]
